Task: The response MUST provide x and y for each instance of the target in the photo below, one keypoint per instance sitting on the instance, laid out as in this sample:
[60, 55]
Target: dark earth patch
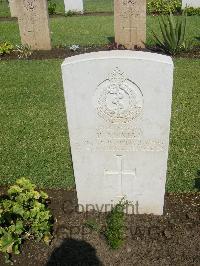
[171, 239]
[61, 53]
[7, 19]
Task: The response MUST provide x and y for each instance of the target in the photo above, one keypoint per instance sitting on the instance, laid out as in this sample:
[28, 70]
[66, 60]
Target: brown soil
[171, 239]
[84, 14]
[61, 53]
[54, 53]
[7, 19]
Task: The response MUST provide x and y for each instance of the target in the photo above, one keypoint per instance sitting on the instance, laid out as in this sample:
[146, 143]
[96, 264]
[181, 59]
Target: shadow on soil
[74, 252]
[111, 39]
[197, 181]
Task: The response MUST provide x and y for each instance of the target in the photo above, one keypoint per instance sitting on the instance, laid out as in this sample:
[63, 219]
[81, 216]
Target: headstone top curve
[125, 54]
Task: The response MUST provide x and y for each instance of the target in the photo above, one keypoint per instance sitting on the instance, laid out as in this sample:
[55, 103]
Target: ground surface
[34, 140]
[63, 53]
[172, 239]
[66, 31]
[34, 143]
[89, 6]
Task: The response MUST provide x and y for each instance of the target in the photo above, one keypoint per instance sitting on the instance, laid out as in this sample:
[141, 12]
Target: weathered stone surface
[130, 23]
[118, 109]
[33, 19]
[13, 8]
[190, 3]
[73, 5]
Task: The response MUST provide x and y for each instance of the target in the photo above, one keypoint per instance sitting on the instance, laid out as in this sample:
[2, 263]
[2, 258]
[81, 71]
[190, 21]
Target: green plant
[163, 6]
[5, 48]
[51, 7]
[115, 225]
[92, 224]
[23, 215]
[191, 11]
[70, 13]
[24, 51]
[188, 45]
[173, 34]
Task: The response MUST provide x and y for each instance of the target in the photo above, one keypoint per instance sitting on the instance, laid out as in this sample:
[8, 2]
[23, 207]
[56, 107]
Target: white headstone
[73, 6]
[118, 109]
[190, 3]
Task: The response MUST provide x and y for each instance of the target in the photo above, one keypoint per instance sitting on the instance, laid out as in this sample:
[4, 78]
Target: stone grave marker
[130, 23]
[73, 6]
[118, 110]
[13, 8]
[190, 3]
[33, 20]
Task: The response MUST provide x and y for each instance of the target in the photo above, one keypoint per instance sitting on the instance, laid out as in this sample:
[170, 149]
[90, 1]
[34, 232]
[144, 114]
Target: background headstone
[190, 3]
[130, 23]
[33, 19]
[118, 110]
[73, 6]
[13, 8]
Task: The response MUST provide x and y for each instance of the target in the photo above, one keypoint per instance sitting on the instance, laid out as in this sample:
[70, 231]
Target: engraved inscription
[125, 139]
[129, 9]
[130, 145]
[118, 99]
[29, 5]
[119, 139]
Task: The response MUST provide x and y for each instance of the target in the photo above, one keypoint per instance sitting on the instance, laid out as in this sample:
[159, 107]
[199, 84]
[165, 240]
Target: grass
[183, 166]
[34, 140]
[33, 137]
[89, 6]
[99, 5]
[4, 9]
[81, 30]
[116, 226]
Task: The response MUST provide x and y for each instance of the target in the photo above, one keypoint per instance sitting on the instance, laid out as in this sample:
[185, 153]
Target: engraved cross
[120, 173]
[132, 31]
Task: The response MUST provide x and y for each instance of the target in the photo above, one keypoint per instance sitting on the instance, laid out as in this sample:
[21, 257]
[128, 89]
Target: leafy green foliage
[191, 11]
[51, 7]
[92, 224]
[173, 34]
[115, 225]
[6, 48]
[23, 215]
[24, 51]
[163, 6]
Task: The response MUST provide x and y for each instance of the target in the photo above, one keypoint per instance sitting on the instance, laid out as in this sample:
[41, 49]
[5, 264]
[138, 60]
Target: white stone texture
[13, 8]
[118, 110]
[190, 3]
[74, 6]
